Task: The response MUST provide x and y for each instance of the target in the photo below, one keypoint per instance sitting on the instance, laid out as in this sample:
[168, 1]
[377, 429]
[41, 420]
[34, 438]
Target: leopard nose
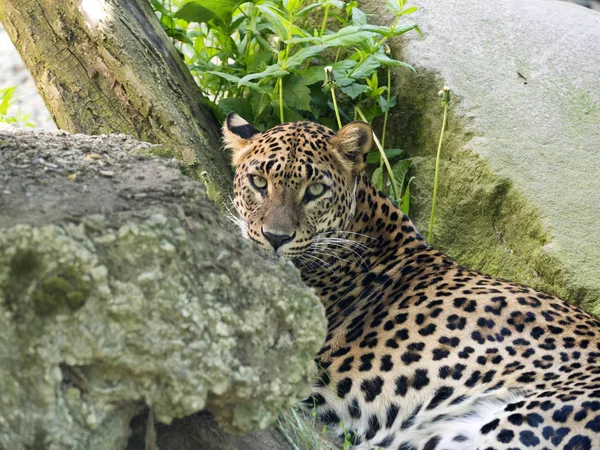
[277, 240]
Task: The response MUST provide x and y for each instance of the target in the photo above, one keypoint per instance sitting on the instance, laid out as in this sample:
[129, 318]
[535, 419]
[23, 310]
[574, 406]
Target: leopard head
[295, 184]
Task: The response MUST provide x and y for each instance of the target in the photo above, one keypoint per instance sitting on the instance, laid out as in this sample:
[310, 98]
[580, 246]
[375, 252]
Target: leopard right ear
[237, 136]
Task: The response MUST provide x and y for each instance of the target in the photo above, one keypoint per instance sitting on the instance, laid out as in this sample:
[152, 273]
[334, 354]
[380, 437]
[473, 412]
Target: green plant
[301, 431]
[6, 101]
[266, 60]
[396, 173]
[445, 94]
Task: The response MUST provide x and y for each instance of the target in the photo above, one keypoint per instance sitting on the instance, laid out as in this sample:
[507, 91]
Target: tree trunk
[122, 286]
[107, 66]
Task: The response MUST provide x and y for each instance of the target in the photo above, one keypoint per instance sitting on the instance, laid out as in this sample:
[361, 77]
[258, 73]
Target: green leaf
[300, 56]
[373, 82]
[377, 179]
[375, 156]
[377, 92]
[258, 61]
[237, 21]
[158, 6]
[393, 6]
[239, 81]
[410, 10]
[205, 10]
[289, 113]
[304, 11]
[347, 36]
[405, 202]
[401, 29]
[227, 76]
[178, 35]
[263, 43]
[379, 29]
[399, 170]
[273, 71]
[238, 105]
[291, 5]
[345, 81]
[341, 68]
[257, 103]
[296, 94]
[276, 21]
[312, 75]
[335, 3]
[387, 61]
[354, 90]
[6, 95]
[358, 17]
[280, 24]
[365, 68]
[383, 104]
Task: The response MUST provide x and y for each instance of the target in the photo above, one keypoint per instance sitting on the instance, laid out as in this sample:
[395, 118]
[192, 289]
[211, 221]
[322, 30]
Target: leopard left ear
[237, 136]
[352, 143]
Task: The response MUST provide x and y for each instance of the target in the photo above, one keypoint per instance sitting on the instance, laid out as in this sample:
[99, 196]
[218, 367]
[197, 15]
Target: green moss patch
[65, 289]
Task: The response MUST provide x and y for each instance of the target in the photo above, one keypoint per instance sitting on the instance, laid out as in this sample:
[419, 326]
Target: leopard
[421, 353]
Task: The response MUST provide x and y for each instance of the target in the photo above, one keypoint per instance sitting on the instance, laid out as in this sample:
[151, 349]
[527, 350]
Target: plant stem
[249, 35]
[385, 38]
[335, 106]
[283, 66]
[387, 106]
[281, 116]
[261, 108]
[436, 176]
[383, 157]
[385, 119]
[324, 20]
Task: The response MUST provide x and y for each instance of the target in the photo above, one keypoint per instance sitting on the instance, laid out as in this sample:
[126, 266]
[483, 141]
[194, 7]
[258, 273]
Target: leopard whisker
[343, 245]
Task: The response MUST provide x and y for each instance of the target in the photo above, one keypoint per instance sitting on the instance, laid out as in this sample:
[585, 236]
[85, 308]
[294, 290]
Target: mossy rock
[129, 291]
[520, 171]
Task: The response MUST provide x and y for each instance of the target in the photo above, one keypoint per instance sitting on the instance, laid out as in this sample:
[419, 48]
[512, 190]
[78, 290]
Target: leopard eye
[258, 182]
[314, 191]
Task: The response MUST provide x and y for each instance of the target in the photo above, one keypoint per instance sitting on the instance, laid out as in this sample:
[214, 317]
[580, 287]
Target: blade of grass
[383, 157]
[385, 119]
[445, 100]
[330, 84]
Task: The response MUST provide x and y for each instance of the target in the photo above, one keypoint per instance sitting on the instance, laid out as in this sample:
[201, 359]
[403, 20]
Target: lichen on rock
[140, 300]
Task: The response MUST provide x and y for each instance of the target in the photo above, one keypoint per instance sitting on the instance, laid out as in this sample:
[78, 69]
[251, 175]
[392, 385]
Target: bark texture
[121, 287]
[106, 66]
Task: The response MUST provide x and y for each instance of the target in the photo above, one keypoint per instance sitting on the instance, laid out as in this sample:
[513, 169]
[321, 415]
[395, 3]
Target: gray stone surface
[520, 182]
[121, 285]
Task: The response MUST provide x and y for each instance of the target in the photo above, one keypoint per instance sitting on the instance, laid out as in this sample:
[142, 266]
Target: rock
[131, 290]
[520, 178]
